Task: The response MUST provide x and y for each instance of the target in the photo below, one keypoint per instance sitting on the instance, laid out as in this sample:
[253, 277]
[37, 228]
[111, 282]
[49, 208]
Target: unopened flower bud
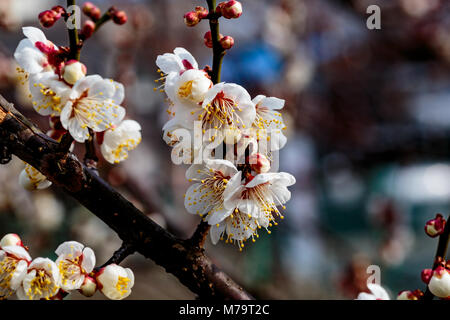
[11, 239]
[191, 18]
[410, 295]
[59, 10]
[435, 227]
[231, 9]
[208, 39]
[426, 275]
[259, 163]
[120, 17]
[91, 10]
[89, 287]
[439, 284]
[88, 29]
[227, 42]
[202, 12]
[73, 71]
[48, 18]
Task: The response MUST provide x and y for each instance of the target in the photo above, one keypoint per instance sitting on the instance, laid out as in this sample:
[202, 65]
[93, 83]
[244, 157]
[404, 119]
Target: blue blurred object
[253, 63]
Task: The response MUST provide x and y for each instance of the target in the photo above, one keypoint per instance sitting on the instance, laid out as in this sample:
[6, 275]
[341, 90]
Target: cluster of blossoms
[44, 279]
[85, 106]
[236, 194]
[436, 279]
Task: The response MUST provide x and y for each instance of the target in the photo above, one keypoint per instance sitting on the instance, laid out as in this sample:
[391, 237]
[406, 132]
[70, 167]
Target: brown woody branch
[179, 257]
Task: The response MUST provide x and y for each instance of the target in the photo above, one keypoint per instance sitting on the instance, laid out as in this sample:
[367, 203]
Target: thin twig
[218, 51]
[440, 254]
[74, 40]
[125, 250]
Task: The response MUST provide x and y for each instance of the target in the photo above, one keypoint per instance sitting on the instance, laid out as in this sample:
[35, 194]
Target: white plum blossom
[268, 122]
[31, 179]
[254, 204]
[188, 89]
[14, 262]
[35, 53]
[42, 280]
[94, 103]
[115, 282]
[119, 140]
[377, 292]
[49, 94]
[225, 106]
[206, 195]
[75, 262]
[177, 62]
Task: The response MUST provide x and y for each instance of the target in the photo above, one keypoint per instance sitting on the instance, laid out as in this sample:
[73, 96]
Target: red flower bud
[259, 163]
[191, 18]
[435, 227]
[202, 12]
[92, 11]
[231, 9]
[48, 18]
[120, 17]
[88, 29]
[208, 39]
[59, 10]
[227, 42]
[426, 275]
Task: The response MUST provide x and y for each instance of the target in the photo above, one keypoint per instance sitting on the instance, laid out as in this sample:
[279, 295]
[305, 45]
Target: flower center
[185, 90]
[70, 270]
[122, 285]
[49, 99]
[42, 286]
[7, 268]
[221, 111]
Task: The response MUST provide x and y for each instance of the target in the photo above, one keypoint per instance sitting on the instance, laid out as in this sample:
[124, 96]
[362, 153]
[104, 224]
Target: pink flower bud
[120, 17]
[202, 12]
[208, 39]
[426, 275]
[410, 295]
[435, 227]
[59, 10]
[91, 10]
[11, 239]
[191, 18]
[259, 163]
[231, 9]
[88, 29]
[48, 18]
[439, 284]
[227, 42]
[89, 287]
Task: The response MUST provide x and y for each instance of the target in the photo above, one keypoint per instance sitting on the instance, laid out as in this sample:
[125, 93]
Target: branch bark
[179, 257]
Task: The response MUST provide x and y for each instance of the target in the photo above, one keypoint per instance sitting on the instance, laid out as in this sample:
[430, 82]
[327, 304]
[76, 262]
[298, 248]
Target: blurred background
[368, 139]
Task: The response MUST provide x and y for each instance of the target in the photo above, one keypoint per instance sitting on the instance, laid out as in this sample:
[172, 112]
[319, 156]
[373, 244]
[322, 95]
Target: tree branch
[188, 263]
[440, 254]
